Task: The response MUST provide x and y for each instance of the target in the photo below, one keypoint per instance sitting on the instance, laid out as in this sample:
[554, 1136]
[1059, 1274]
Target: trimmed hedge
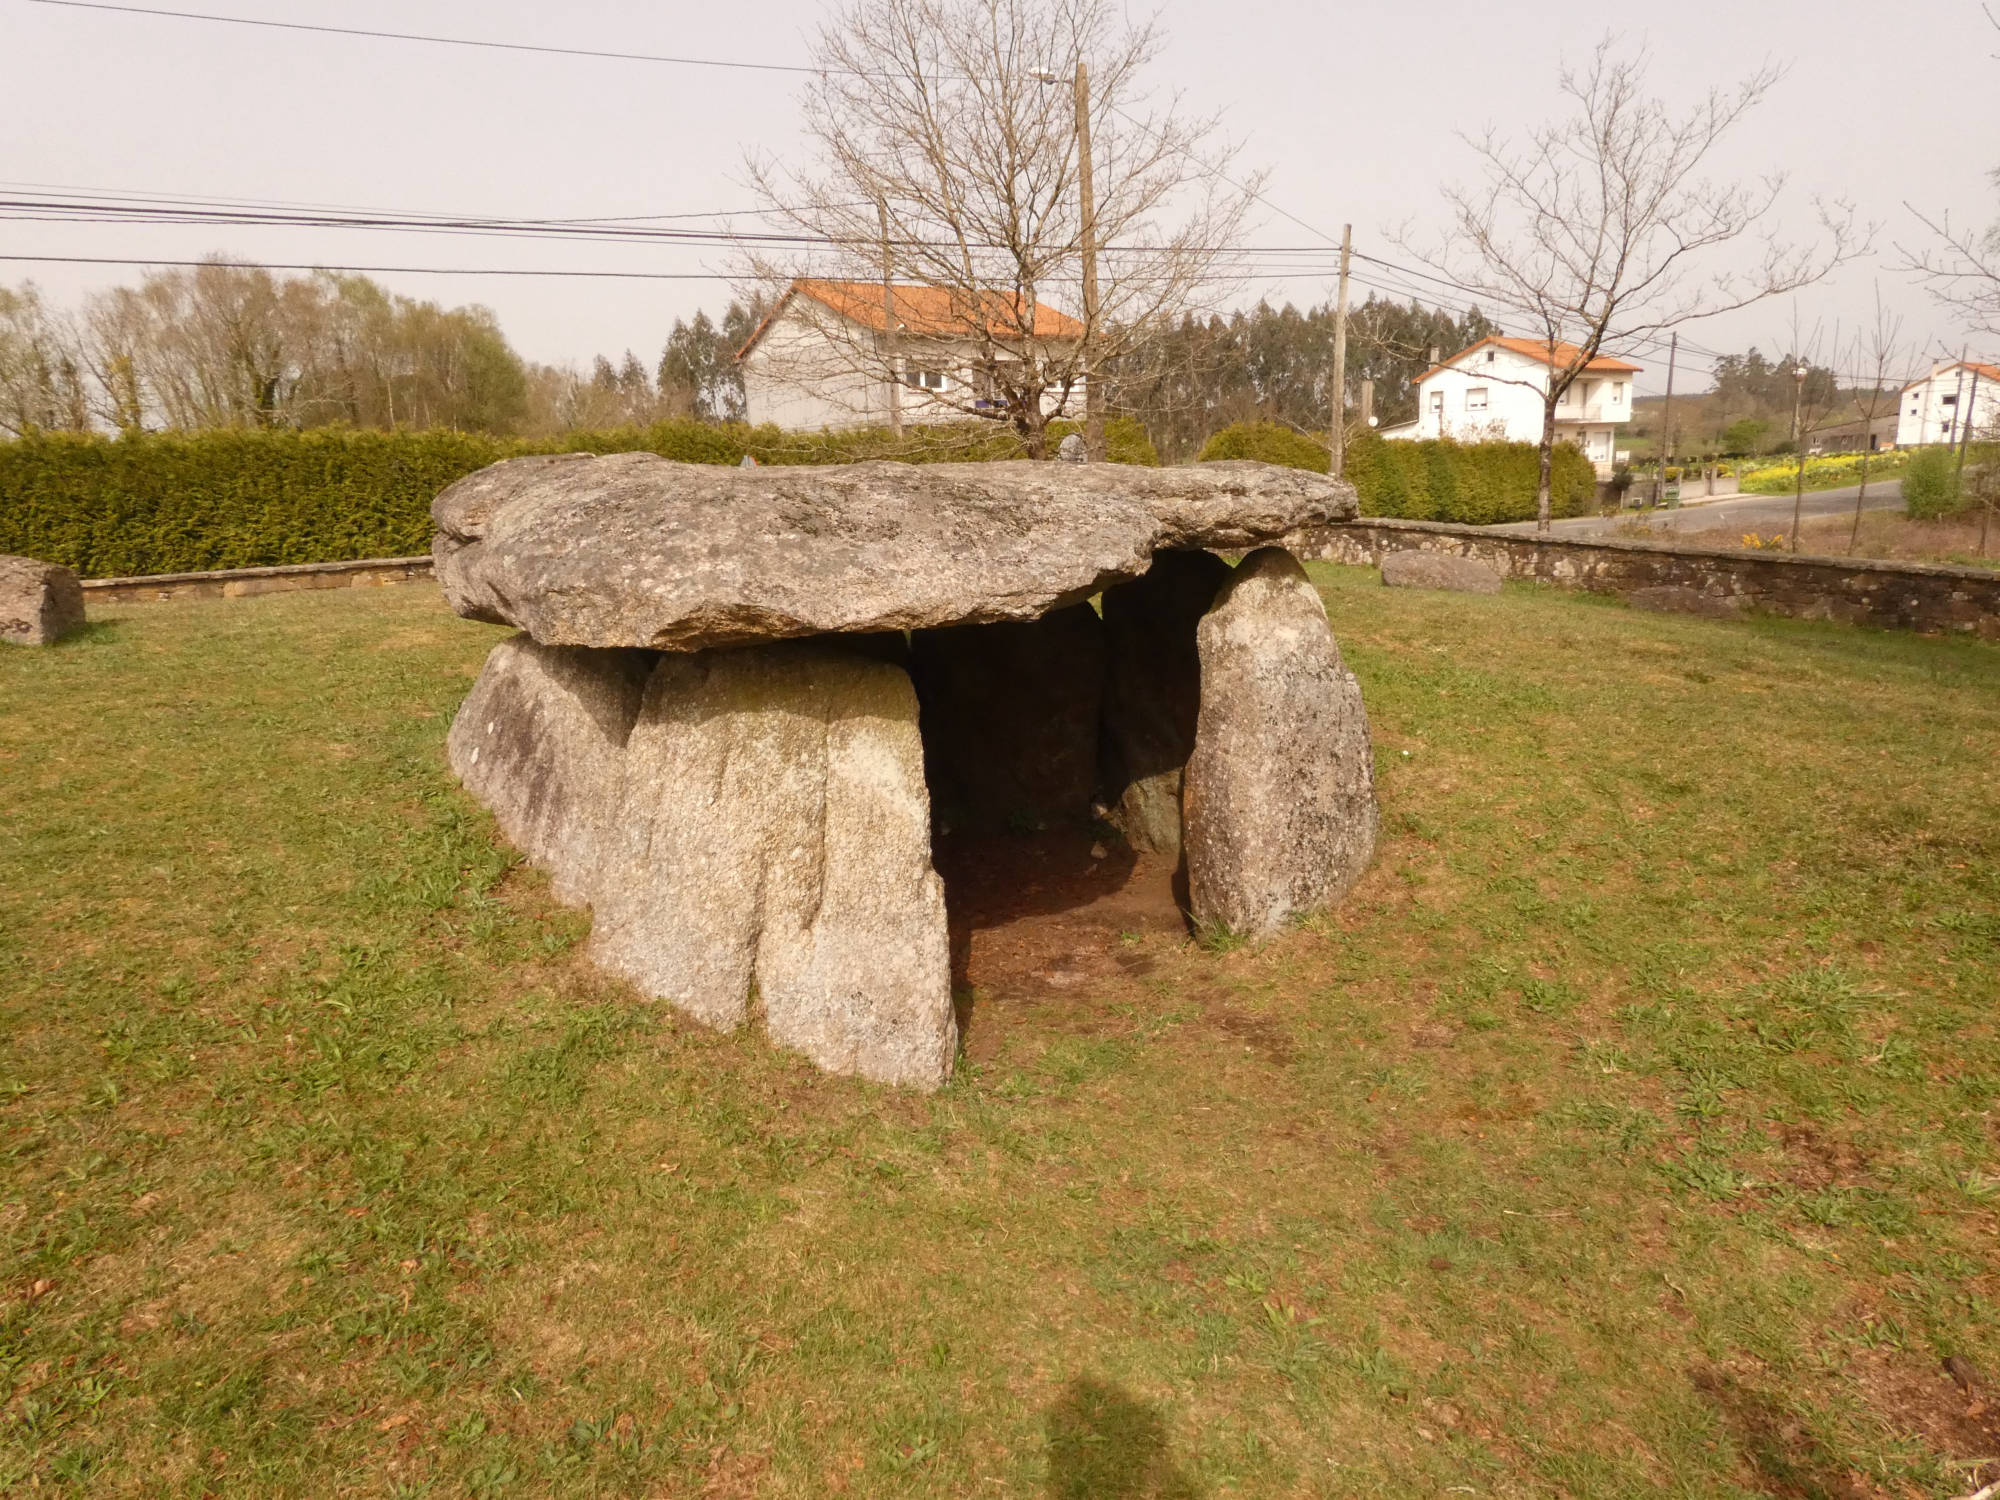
[120, 507]
[1479, 484]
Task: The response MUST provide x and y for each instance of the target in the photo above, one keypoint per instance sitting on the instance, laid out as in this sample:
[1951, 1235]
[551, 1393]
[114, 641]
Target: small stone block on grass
[1439, 570]
[40, 602]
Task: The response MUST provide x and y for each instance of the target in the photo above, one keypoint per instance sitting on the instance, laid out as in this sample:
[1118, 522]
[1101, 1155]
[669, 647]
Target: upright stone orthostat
[40, 602]
[541, 741]
[1279, 797]
[746, 810]
[775, 832]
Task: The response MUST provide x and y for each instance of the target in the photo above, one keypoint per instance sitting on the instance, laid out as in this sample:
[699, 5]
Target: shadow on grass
[1790, 1462]
[1107, 1445]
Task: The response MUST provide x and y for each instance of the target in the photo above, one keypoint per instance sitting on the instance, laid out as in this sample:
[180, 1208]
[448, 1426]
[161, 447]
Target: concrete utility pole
[1799, 374]
[889, 324]
[1965, 441]
[1093, 398]
[1336, 393]
[1667, 417]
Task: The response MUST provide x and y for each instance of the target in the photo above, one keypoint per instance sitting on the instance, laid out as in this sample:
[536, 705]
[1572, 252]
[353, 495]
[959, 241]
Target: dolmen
[742, 701]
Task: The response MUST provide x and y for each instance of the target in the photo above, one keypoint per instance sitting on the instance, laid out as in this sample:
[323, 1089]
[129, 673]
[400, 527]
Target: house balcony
[1594, 411]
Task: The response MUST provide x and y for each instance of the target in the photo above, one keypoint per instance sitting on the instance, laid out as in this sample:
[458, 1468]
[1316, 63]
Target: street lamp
[1093, 398]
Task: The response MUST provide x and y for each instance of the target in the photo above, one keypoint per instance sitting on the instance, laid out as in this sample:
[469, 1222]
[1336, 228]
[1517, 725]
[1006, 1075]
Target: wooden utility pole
[1093, 398]
[1667, 417]
[889, 323]
[1336, 392]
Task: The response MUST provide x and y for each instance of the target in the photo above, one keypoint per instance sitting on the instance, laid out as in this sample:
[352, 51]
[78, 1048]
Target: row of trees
[222, 345]
[1276, 365]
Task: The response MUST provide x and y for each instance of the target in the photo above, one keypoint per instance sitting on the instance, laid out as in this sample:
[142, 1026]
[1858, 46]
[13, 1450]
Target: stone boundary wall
[1691, 580]
[240, 583]
[1656, 575]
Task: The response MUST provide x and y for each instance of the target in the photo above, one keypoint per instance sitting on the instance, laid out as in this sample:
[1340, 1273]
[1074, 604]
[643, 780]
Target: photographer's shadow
[1107, 1445]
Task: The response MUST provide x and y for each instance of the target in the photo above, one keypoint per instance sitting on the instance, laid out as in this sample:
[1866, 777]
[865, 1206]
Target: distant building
[1493, 392]
[1932, 410]
[818, 360]
[1860, 435]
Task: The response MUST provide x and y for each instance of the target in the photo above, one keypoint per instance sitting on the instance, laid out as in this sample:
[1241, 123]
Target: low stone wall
[239, 583]
[1655, 575]
[1691, 580]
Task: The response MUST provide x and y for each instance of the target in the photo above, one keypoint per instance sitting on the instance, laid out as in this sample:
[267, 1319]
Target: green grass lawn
[1630, 1131]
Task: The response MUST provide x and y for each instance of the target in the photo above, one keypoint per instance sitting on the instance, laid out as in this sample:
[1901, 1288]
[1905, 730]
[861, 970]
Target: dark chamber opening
[1045, 744]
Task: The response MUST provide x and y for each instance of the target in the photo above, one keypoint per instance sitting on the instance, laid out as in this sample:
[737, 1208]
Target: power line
[114, 195]
[255, 265]
[440, 41]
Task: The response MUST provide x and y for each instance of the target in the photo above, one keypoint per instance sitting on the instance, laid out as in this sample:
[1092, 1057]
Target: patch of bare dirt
[1043, 914]
[1054, 919]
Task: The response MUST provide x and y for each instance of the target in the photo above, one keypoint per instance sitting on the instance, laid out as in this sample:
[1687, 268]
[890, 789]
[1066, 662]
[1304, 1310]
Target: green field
[1630, 1131]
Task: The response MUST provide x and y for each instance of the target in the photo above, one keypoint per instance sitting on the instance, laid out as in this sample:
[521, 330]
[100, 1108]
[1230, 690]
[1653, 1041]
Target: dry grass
[1630, 1131]
[1886, 535]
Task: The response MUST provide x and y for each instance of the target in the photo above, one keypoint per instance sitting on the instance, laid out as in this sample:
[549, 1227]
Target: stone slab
[634, 550]
[774, 839]
[1279, 804]
[40, 602]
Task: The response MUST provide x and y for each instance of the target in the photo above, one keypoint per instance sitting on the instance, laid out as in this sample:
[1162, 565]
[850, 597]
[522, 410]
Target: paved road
[1760, 513]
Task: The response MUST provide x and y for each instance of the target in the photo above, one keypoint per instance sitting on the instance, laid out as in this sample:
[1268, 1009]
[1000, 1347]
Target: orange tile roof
[1539, 349]
[1984, 372]
[932, 310]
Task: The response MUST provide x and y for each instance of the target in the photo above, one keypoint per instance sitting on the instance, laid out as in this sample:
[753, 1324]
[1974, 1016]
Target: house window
[1618, 393]
[925, 380]
[1475, 399]
[1491, 356]
[1437, 403]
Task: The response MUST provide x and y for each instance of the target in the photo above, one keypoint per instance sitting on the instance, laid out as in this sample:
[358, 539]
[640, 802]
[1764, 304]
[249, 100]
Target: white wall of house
[797, 378]
[1494, 394]
[1930, 408]
[801, 377]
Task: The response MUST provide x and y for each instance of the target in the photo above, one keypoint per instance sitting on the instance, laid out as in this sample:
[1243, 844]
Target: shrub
[1930, 484]
[1745, 436]
[174, 503]
[1267, 442]
[1827, 472]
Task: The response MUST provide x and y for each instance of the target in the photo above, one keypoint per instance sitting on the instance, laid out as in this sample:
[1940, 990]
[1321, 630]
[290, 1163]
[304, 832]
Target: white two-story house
[821, 359]
[1934, 409]
[1493, 392]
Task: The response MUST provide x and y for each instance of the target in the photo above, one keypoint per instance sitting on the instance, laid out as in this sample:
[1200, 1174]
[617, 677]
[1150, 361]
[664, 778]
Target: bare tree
[1603, 231]
[1814, 403]
[945, 163]
[1880, 358]
[1961, 267]
[43, 382]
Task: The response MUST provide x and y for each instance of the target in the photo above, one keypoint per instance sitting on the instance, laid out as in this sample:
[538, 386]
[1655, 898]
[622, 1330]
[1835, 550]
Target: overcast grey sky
[1355, 110]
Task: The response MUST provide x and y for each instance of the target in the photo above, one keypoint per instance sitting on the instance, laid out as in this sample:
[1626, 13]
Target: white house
[1493, 392]
[1930, 408]
[818, 360]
